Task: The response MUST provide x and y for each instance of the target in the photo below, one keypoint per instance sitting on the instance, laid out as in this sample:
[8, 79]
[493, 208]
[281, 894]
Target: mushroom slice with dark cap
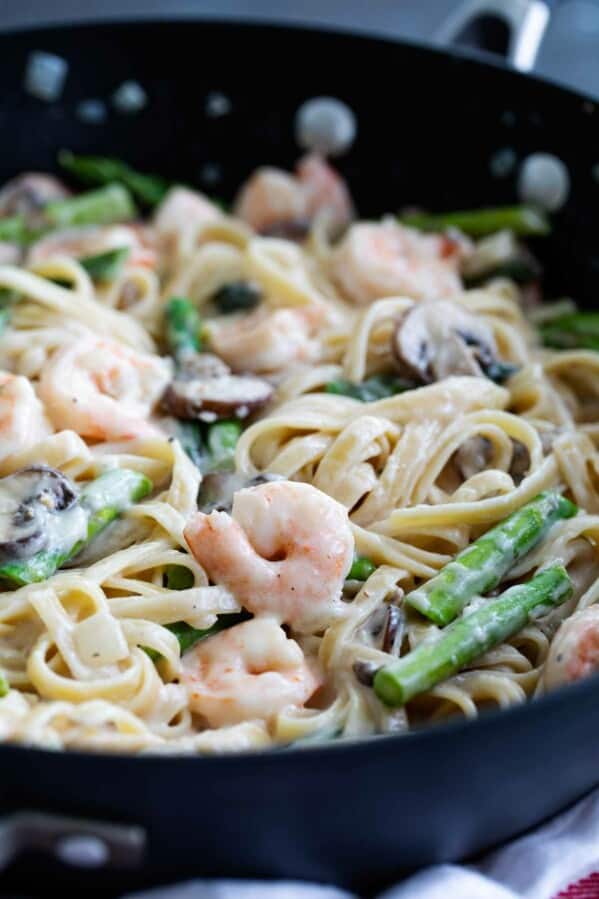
[28, 194]
[438, 338]
[209, 399]
[218, 488]
[27, 499]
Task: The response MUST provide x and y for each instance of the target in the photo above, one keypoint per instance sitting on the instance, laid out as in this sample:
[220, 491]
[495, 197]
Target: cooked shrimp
[379, 260]
[284, 551]
[183, 210]
[251, 671]
[102, 389]
[272, 198]
[266, 340]
[574, 652]
[324, 190]
[90, 241]
[22, 419]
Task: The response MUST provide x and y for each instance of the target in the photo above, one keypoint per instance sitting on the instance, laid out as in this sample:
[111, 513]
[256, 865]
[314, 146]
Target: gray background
[570, 53]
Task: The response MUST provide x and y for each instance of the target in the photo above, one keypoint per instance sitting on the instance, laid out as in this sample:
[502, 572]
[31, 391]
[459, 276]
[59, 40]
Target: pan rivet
[502, 163]
[93, 112]
[45, 75]
[544, 181]
[82, 850]
[210, 174]
[326, 125]
[217, 105]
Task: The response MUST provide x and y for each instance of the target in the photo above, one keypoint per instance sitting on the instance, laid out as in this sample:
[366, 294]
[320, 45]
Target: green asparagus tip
[361, 569]
[105, 266]
[178, 577]
[522, 220]
[481, 566]
[104, 206]
[4, 685]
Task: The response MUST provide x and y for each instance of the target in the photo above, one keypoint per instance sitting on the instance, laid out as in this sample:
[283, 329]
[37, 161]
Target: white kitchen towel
[557, 861]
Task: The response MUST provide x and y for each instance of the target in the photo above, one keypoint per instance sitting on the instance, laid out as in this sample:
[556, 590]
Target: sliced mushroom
[209, 399]
[437, 338]
[27, 498]
[520, 464]
[201, 365]
[473, 456]
[27, 194]
[218, 488]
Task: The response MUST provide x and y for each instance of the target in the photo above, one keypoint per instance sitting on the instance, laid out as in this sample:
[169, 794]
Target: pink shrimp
[251, 671]
[284, 551]
[266, 340]
[103, 389]
[379, 260]
[23, 422]
[182, 210]
[271, 198]
[574, 652]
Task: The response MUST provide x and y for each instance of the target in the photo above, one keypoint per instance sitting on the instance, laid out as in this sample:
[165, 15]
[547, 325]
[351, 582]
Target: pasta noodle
[92, 654]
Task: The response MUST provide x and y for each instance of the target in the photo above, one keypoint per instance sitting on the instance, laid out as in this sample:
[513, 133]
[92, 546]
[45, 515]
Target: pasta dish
[272, 474]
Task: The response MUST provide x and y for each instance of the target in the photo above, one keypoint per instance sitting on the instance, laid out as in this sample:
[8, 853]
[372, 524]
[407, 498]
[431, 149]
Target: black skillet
[429, 126]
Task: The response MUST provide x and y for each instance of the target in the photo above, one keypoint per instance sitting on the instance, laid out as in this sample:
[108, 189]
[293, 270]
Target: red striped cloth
[587, 888]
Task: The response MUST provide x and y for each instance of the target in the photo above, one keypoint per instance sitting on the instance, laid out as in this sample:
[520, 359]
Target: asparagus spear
[182, 338]
[102, 501]
[522, 220]
[4, 685]
[182, 327]
[178, 577]
[105, 266]
[14, 229]
[222, 439]
[109, 204]
[376, 388]
[480, 567]
[471, 636]
[150, 189]
[361, 569]
[578, 330]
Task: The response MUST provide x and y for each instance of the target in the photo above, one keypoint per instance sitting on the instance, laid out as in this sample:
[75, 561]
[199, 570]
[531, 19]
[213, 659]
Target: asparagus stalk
[102, 501]
[13, 229]
[109, 204]
[522, 220]
[221, 440]
[183, 338]
[150, 189]
[182, 327]
[376, 388]
[578, 330]
[105, 266]
[480, 567]
[470, 636]
[361, 569]
[4, 685]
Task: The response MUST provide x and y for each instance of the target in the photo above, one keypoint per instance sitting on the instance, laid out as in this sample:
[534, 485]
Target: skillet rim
[489, 719]
[454, 53]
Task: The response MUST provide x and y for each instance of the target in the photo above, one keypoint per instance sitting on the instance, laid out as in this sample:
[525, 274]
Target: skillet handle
[75, 842]
[526, 21]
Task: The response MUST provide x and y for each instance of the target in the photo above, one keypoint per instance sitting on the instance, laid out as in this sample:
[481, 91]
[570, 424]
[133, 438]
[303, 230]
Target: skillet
[430, 126]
